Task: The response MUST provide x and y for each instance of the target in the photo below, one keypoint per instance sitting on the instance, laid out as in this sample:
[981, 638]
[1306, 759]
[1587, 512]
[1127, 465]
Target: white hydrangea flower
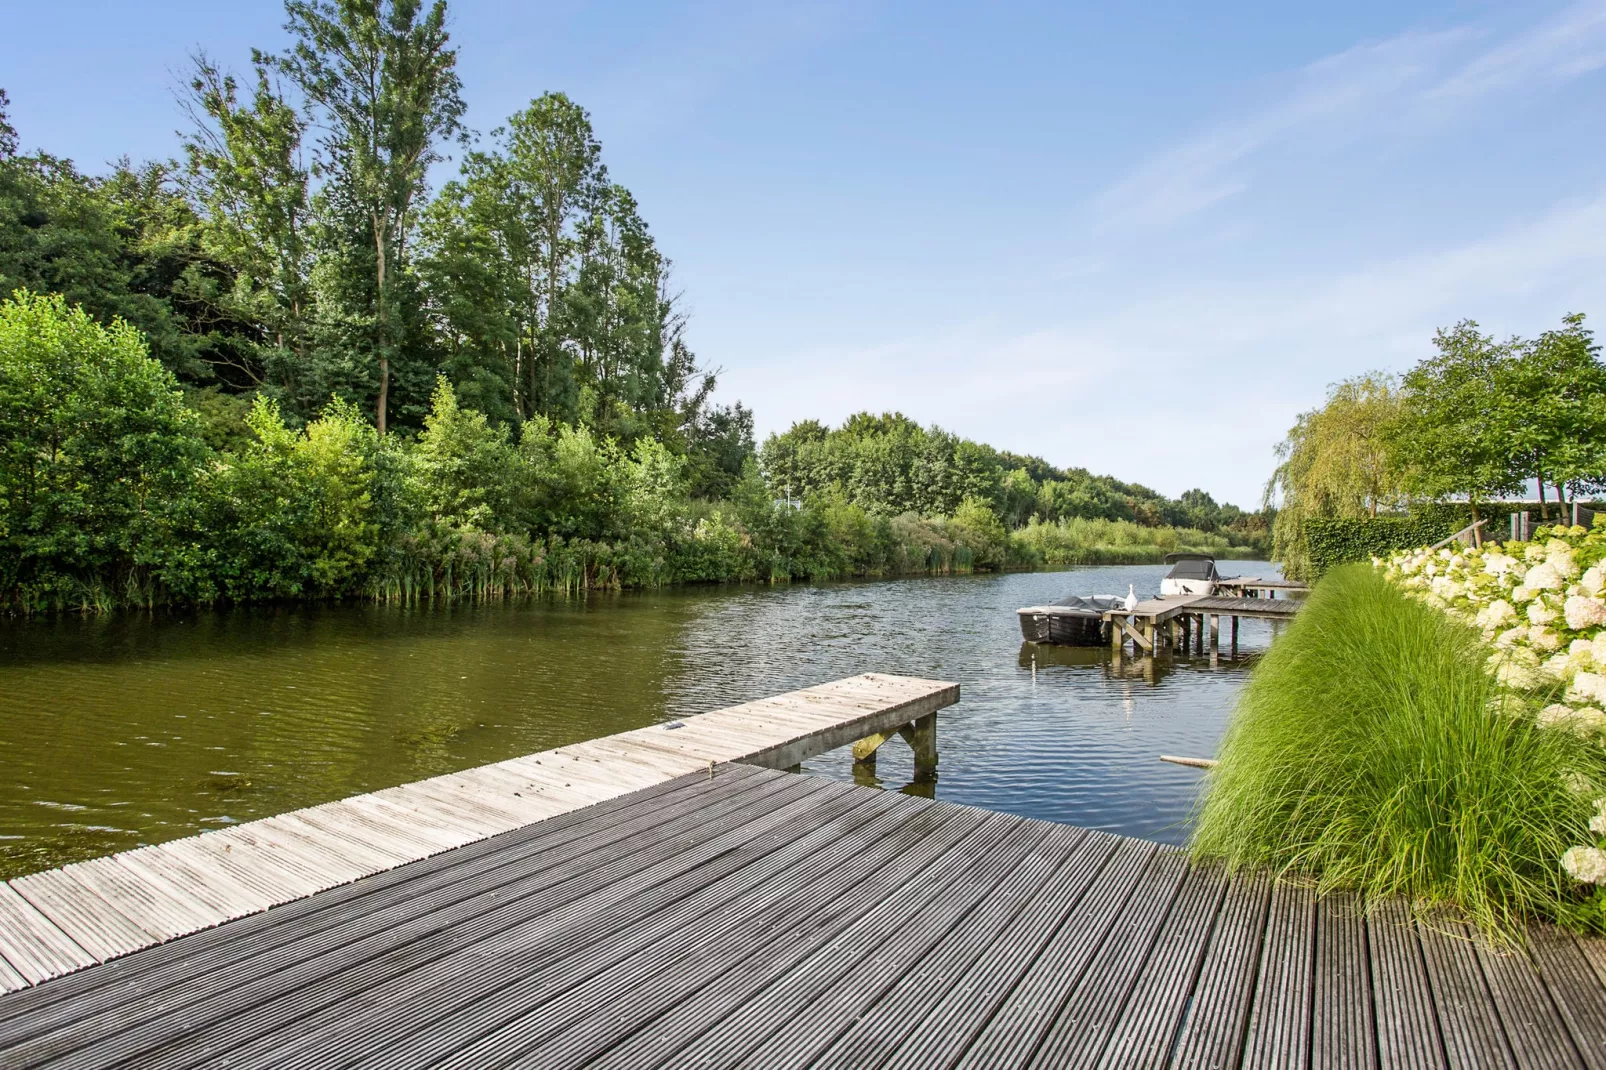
[1496, 563]
[1582, 651]
[1522, 593]
[1533, 553]
[1587, 687]
[1597, 824]
[1514, 674]
[1496, 613]
[1540, 612]
[1555, 714]
[1544, 577]
[1592, 580]
[1511, 636]
[1597, 648]
[1557, 667]
[1588, 721]
[1582, 612]
[1585, 864]
[1577, 784]
[1559, 555]
[1542, 638]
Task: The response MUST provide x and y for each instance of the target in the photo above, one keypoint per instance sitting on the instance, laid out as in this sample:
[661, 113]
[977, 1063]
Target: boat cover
[1095, 605]
[1194, 568]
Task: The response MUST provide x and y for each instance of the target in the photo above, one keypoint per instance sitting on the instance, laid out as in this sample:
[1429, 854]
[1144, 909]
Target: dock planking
[755, 918]
[61, 920]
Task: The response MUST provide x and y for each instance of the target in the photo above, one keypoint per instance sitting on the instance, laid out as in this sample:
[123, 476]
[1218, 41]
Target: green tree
[1455, 433]
[1552, 409]
[97, 455]
[382, 78]
[245, 174]
[1336, 461]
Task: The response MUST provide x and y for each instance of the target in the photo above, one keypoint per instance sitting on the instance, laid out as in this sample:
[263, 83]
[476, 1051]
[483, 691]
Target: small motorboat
[1075, 620]
[1190, 574]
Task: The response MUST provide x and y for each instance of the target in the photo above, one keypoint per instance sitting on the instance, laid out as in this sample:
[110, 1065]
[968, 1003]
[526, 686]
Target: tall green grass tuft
[1371, 751]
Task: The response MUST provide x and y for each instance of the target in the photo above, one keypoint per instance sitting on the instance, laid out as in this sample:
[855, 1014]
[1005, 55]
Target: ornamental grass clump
[1373, 750]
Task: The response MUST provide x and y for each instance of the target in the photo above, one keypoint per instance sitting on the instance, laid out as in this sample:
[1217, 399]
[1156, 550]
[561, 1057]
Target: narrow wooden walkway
[758, 919]
[58, 921]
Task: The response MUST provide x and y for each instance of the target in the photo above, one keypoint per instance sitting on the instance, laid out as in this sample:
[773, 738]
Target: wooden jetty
[54, 922]
[735, 915]
[1256, 586]
[1189, 621]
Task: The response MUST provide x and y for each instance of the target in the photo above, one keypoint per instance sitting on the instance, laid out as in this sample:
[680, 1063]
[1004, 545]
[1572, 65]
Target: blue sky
[1139, 238]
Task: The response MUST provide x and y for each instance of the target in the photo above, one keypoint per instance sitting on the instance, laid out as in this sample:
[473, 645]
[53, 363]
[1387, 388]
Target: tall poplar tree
[245, 172]
[383, 80]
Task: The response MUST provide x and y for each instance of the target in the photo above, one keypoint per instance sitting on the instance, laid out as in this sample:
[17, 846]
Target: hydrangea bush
[1541, 606]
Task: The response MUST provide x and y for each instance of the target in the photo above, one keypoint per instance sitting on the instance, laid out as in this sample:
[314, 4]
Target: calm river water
[135, 729]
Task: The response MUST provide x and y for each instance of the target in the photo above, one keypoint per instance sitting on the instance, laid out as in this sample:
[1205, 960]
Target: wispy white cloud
[1193, 386]
[1403, 83]
[1571, 44]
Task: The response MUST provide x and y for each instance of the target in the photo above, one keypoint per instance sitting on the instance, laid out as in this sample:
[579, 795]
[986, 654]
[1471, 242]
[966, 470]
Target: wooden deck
[65, 919]
[754, 918]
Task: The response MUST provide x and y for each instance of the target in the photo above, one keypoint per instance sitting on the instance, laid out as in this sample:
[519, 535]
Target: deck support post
[1235, 635]
[1200, 648]
[920, 734]
[1215, 632]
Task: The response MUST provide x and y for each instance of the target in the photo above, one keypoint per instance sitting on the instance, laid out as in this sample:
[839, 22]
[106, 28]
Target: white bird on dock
[1131, 597]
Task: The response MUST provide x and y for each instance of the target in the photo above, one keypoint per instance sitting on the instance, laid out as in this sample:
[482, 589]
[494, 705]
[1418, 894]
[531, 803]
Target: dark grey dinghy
[1076, 620]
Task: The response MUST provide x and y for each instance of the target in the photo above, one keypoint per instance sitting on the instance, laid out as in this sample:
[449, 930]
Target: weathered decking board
[62, 920]
[766, 920]
[1255, 608]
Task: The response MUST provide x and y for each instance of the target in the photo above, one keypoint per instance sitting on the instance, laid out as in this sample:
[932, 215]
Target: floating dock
[741, 916]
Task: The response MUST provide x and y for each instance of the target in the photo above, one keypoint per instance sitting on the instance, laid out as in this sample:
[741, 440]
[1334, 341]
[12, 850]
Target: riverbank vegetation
[113, 495]
[1479, 420]
[1374, 750]
[287, 365]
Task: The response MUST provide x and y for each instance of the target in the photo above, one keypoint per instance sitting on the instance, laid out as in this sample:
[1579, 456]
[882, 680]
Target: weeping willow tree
[1335, 462]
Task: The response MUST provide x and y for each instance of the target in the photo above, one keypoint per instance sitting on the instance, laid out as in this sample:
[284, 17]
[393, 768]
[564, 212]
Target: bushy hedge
[1334, 541]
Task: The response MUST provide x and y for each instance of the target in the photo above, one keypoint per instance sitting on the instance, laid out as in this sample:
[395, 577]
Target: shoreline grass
[1372, 751]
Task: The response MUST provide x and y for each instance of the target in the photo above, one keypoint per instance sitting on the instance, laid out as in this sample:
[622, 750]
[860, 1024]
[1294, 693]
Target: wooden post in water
[921, 735]
[1215, 632]
[922, 739]
[1235, 636]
